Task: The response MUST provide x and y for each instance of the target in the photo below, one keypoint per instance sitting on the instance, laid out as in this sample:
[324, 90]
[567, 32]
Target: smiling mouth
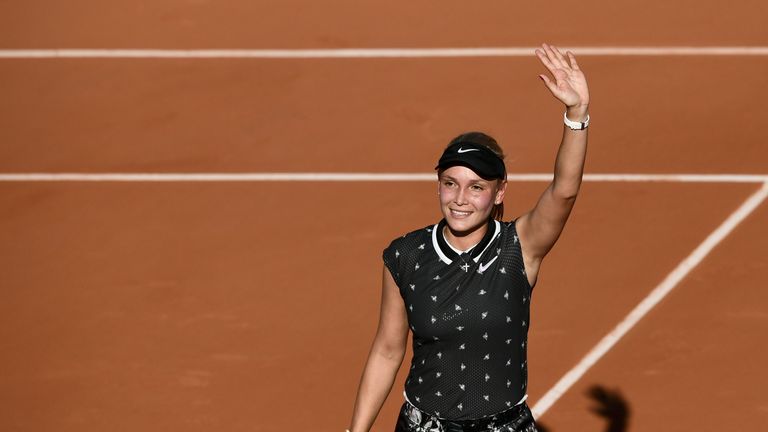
[460, 214]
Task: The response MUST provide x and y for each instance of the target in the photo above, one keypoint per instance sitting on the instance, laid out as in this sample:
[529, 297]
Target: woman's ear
[502, 189]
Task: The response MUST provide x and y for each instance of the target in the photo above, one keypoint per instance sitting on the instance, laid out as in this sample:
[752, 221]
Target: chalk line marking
[648, 303]
[351, 53]
[355, 177]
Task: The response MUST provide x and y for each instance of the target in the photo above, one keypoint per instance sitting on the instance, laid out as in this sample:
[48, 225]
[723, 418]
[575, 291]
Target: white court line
[648, 303]
[354, 177]
[378, 52]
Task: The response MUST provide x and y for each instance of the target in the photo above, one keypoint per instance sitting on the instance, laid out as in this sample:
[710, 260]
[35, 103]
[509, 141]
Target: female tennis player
[463, 285]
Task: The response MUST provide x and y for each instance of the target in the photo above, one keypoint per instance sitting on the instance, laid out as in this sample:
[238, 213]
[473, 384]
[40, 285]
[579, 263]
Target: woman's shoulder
[510, 224]
[419, 236]
[509, 232]
[404, 251]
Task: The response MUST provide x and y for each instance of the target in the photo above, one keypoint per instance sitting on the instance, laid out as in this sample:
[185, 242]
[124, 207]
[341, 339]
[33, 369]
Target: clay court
[191, 238]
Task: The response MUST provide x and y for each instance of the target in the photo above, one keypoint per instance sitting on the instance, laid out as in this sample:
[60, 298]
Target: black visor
[479, 158]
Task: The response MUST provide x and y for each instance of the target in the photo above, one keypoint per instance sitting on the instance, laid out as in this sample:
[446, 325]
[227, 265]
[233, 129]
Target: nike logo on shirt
[488, 264]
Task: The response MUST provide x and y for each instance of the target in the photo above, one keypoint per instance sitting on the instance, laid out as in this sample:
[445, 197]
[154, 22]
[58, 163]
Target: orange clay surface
[377, 23]
[251, 306]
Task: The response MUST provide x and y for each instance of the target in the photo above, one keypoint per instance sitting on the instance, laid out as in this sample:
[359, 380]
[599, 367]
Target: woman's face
[466, 199]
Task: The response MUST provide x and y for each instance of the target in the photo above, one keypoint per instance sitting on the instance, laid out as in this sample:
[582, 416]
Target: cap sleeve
[391, 257]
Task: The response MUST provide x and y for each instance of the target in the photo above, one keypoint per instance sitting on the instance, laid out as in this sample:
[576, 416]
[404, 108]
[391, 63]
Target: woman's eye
[477, 187]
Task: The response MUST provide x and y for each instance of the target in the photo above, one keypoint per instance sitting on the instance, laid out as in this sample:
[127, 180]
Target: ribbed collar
[446, 252]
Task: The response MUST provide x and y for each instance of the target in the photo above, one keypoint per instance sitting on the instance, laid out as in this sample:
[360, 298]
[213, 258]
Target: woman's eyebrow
[471, 181]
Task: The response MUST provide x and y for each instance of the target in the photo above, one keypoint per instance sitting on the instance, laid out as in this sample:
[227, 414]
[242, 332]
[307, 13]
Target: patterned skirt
[515, 419]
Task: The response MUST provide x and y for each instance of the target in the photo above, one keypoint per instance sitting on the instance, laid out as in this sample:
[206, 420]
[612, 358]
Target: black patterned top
[469, 316]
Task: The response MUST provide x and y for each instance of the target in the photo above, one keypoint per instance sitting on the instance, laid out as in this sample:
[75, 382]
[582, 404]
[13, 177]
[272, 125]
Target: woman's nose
[460, 198]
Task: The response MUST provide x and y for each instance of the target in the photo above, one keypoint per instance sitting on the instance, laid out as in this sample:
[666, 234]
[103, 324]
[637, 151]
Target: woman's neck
[464, 241]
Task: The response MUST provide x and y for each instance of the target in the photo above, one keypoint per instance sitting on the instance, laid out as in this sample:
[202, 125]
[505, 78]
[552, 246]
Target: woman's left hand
[570, 85]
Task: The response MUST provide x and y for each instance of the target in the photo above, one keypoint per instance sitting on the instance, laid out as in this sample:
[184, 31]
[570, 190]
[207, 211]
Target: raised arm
[540, 228]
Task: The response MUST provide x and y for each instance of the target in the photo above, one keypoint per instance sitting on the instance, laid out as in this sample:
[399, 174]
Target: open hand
[569, 85]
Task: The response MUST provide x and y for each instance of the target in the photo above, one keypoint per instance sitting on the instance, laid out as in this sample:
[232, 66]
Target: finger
[545, 60]
[552, 56]
[572, 58]
[560, 57]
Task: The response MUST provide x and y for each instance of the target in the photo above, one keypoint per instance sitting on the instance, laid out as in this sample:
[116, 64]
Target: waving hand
[569, 84]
